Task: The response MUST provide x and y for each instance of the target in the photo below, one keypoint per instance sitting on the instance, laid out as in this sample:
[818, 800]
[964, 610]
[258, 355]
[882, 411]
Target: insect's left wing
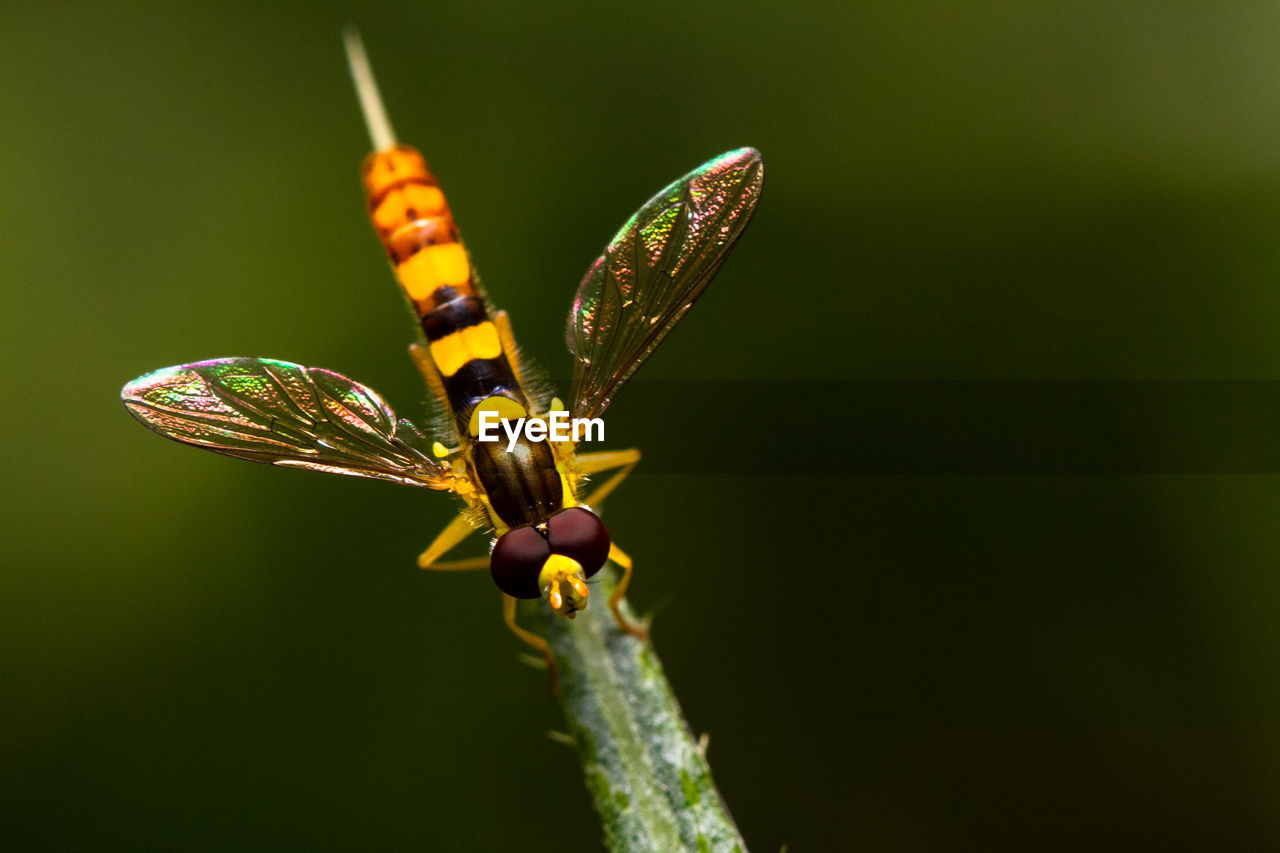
[284, 414]
[650, 274]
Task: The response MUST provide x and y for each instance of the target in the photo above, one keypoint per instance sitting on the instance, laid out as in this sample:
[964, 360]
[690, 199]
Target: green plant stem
[644, 770]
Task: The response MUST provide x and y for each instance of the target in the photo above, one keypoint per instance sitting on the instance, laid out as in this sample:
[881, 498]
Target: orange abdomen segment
[414, 223]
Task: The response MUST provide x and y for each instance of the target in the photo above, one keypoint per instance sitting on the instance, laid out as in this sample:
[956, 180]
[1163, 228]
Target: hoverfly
[546, 540]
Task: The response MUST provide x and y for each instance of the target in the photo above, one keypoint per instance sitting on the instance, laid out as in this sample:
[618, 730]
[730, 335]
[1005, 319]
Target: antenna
[375, 114]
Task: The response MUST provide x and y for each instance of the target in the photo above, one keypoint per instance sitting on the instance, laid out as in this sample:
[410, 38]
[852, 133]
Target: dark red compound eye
[517, 560]
[579, 533]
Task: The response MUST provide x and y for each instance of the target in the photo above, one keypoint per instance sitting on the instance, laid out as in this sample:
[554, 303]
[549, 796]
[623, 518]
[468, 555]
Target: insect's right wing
[650, 274]
[284, 414]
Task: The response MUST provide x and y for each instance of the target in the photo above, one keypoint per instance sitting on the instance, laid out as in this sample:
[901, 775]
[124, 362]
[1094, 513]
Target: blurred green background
[198, 652]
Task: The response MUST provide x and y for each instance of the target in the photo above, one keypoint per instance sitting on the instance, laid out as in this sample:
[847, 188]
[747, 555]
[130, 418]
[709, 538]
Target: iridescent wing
[284, 414]
[652, 272]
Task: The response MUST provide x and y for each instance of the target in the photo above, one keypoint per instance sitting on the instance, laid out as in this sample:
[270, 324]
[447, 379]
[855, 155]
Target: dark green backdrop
[196, 652]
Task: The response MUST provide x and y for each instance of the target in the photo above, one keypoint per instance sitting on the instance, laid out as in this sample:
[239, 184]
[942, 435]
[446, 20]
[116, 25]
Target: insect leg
[507, 339]
[455, 532]
[620, 557]
[593, 463]
[422, 358]
[539, 643]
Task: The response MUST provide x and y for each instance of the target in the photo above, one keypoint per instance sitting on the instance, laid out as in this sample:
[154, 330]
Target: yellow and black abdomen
[412, 218]
[414, 223]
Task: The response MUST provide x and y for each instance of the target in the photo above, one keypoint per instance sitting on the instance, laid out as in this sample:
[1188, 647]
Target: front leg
[620, 557]
[539, 643]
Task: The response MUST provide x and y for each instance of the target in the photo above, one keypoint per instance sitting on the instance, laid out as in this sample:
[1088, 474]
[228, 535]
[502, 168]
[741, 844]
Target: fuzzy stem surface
[645, 771]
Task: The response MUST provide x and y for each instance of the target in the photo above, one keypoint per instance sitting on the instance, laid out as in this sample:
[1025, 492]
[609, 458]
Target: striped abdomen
[414, 223]
[413, 220]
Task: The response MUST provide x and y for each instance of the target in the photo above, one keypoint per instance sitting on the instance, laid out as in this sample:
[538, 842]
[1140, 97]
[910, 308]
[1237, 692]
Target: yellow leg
[455, 532]
[593, 463]
[422, 358]
[620, 557]
[509, 616]
[508, 341]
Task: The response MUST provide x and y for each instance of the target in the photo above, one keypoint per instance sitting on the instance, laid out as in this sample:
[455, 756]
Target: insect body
[529, 493]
